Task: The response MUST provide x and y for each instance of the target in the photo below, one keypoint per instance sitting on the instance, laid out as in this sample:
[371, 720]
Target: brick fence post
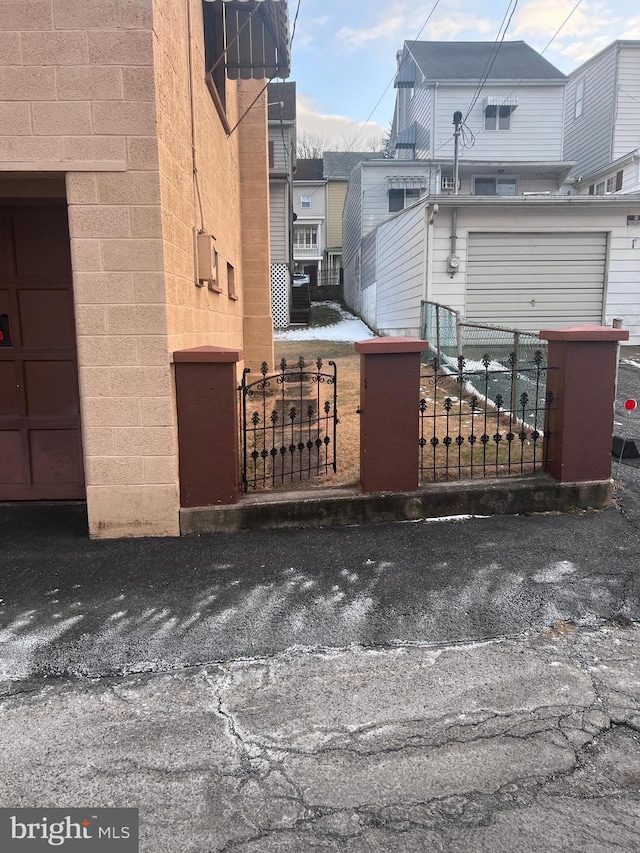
[389, 416]
[582, 378]
[207, 405]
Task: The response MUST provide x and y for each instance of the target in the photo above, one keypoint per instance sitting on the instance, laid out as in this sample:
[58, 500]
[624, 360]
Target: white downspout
[430, 212]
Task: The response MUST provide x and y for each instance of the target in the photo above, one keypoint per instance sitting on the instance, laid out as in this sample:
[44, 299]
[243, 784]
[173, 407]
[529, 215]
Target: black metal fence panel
[288, 424]
[483, 419]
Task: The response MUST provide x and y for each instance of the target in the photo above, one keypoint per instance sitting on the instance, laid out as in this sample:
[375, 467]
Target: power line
[520, 82]
[293, 32]
[492, 58]
[386, 89]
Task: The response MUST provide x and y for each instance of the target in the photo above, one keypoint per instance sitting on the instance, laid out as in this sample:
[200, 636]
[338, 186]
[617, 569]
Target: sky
[343, 52]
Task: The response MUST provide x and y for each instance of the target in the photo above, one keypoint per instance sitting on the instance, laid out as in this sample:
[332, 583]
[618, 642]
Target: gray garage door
[534, 281]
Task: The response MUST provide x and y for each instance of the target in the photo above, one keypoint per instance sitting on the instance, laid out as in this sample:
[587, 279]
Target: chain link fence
[450, 338]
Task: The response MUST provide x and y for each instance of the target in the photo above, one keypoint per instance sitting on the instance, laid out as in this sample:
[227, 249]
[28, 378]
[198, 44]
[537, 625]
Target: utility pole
[457, 121]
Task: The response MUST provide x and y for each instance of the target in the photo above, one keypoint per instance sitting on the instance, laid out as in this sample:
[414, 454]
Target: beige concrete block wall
[254, 222]
[77, 97]
[98, 91]
[198, 315]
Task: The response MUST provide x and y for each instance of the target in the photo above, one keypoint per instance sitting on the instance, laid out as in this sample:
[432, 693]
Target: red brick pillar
[389, 399]
[207, 404]
[582, 378]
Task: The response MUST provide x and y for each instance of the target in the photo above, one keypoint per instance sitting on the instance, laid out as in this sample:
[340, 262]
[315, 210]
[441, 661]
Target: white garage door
[535, 281]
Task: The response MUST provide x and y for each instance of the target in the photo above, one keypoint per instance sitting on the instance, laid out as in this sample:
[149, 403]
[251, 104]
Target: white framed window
[495, 186]
[448, 182]
[497, 118]
[305, 237]
[600, 188]
[305, 201]
[579, 99]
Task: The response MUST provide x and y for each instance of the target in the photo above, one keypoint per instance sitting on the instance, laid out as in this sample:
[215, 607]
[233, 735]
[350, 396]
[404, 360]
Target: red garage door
[40, 445]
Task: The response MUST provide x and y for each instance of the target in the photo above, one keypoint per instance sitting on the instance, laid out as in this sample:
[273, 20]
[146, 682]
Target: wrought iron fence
[483, 420]
[288, 424]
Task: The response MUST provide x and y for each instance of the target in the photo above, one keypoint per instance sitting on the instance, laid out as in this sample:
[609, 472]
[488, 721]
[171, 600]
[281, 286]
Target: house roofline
[618, 43]
[630, 157]
[533, 200]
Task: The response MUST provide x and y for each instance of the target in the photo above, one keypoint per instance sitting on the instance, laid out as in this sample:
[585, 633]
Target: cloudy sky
[344, 50]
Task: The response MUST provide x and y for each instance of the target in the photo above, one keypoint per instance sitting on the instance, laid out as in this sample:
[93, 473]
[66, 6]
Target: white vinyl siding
[420, 113]
[278, 211]
[627, 130]
[535, 124]
[280, 149]
[534, 281]
[587, 139]
[400, 273]
[368, 265]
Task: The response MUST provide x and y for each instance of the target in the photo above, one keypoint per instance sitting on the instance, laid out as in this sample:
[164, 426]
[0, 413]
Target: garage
[534, 281]
[40, 442]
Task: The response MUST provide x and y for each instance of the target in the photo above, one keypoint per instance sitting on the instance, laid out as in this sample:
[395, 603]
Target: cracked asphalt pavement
[432, 686]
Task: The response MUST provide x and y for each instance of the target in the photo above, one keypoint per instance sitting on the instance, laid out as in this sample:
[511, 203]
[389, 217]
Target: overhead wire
[378, 102]
[273, 76]
[493, 55]
[521, 81]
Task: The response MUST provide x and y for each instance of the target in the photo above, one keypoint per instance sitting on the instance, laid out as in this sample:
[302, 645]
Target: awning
[497, 101]
[406, 76]
[406, 182]
[256, 38]
[407, 137]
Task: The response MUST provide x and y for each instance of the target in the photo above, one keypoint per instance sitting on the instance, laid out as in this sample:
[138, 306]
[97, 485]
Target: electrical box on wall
[207, 258]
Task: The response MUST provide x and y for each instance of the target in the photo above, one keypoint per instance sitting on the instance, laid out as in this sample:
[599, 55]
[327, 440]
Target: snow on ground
[349, 328]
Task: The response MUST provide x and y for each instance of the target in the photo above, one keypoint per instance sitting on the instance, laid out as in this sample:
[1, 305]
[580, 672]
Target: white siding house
[516, 115]
[282, 146]
[530, 263]
[516, 243]
[602, 121]
[310, 213]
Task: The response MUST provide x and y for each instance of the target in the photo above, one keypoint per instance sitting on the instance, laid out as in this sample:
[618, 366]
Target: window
[448, 182]
[495, 186]
[305, 237]
[305, 201]
[231, 282]
[399, 199]
[615, 183]
[600, 188]
[579, 99]
[271, 154]
[497, 118]
[213, 18]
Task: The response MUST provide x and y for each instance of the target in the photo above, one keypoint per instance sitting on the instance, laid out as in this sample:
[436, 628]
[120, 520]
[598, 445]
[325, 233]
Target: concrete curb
[340, 507]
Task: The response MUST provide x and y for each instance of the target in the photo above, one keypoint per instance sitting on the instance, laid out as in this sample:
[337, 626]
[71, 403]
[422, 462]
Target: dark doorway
[40, 441]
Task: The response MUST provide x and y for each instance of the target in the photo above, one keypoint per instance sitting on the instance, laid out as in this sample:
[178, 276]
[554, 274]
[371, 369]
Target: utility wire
[493, 55]
[520, 82]
[244, 114]
[386, 89]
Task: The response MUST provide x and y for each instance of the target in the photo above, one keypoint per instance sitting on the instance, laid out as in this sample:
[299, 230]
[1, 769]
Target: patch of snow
[349, 329]
[555, 572]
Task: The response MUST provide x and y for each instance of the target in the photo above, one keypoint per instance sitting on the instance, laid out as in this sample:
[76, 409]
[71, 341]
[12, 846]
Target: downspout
[430, 212]
[612, 140]
[454, 229]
